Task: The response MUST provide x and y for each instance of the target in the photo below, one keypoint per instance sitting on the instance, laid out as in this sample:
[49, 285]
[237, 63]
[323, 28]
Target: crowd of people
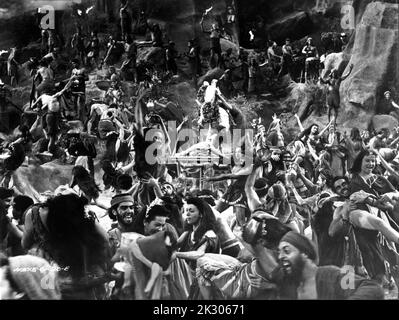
[265, 216]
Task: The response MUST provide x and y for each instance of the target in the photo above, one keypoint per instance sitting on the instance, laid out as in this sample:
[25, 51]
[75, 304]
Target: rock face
[375, 58]
[335, 60]
[210, 75]
[296, 25]
[151, 56]
[384, 121]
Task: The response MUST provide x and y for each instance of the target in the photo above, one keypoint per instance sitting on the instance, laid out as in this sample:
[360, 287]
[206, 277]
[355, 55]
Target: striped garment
[232, 279]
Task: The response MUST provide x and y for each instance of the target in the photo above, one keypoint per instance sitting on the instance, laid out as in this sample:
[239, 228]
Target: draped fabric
[231, 279]
[369, 241]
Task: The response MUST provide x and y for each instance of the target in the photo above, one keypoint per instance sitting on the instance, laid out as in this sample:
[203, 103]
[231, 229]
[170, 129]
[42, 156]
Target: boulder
[184, 96]
[215, 73]
[227, 44]
[153, 56]
[384, 121]
[374, 57]
[294, 26]
[335, 60]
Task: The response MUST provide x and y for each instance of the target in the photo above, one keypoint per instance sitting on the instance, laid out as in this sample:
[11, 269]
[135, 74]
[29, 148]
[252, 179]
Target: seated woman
[61, 231]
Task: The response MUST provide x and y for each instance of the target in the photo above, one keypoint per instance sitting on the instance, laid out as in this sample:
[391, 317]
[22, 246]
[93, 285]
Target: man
[298, 276]
[43, 81]
[78, 88]
[273, 58]
[125, 18]
[388, 106]
[194, 60]
[287, 60]
[6, 196]
[16, 225]
[173, 202]
[129, 65]
[121, 211]
[312, 56]
[151, 226]
[333, 96]
[78, 43]
[216, 49]
[379, 141]
[93, 49]
[137, 224]
[228, 60]
[51, 102]
[5, 95]
[330, 233]
[171, 54]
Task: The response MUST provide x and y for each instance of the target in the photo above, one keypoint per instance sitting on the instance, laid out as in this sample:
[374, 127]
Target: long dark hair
[207, 222]
[357, 163]
[17, 157]
[3, 221]
[355, 135]
[74, 240]
[307, 131]
[86, 183]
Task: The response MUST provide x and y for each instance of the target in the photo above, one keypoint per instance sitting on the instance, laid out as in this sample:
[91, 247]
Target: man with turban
[299, 277]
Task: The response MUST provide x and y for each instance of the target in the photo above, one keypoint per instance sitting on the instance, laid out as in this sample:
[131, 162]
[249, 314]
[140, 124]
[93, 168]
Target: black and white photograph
[199, 154]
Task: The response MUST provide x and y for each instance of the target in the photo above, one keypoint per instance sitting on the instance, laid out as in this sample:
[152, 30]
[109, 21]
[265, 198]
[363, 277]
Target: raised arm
[347, 75]
[36, 102]
[242, 172]
[253, 199]
[185, 119]
[325, 129]
[299, 123]
[385, 164]
[192, 255]
[67, 86]
[202, 26]
[265, 262]
[138, 113]
[340, 225]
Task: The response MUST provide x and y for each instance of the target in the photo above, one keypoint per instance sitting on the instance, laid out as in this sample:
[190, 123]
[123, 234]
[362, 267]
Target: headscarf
[302, 243]
[277, 200]
[121, 198]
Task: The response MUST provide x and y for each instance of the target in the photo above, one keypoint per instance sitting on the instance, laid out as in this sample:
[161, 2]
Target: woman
[199, 238]
[235, 195]
[12, 67]
[200, 231]
[61, 231]
[367, 190]
[311, 134]
[354, 145]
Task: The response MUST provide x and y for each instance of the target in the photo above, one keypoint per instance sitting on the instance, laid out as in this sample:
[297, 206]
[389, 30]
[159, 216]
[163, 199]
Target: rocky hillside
[372, 48]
